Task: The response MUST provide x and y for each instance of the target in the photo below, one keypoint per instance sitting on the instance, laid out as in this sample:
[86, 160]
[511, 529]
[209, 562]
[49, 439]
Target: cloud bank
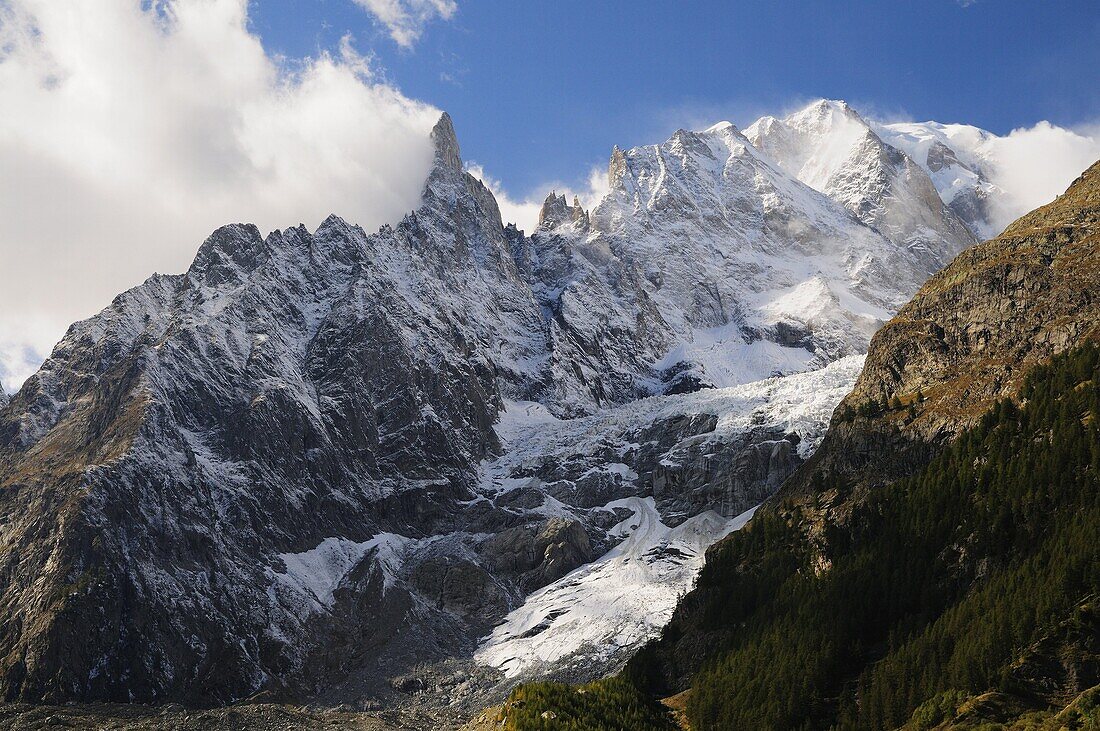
[1034, 165]
[130, 130]
[405, 19]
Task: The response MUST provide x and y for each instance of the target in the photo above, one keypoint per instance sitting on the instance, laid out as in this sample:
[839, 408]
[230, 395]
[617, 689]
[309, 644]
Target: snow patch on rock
[317, 573]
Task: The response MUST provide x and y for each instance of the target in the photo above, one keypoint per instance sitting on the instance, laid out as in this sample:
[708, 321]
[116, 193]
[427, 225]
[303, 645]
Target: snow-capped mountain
[957, 157]
[283, 392]
[831, 148]
[396, 441]
[708, 264]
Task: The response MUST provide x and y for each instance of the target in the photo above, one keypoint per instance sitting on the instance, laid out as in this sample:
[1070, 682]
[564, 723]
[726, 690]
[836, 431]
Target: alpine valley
[392, 476]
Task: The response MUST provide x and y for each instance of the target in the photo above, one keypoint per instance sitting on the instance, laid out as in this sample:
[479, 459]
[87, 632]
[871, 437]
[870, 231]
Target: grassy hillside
[614, 704]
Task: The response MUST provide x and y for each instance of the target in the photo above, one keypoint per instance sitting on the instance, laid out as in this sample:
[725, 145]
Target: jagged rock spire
[443, 137]
[616, 169]
[553, 210]
[580, 215]
[557, 211]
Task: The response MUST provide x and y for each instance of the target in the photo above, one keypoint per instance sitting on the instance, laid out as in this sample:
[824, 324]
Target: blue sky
[541, 90]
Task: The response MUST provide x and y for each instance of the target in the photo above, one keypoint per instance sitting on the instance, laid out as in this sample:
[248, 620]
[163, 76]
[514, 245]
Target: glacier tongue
[611, 606]
[587, 622]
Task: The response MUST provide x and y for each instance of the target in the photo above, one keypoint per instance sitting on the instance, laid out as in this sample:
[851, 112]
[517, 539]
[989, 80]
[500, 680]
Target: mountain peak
[228, 252]
[824, 116]
[828, 146]
[825, 106]
[556, 211]
[445, 140]
[719, 127]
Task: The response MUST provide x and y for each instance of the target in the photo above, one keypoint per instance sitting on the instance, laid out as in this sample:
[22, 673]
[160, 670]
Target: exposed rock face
[541, 553]
[1004, 305]
[557, 212]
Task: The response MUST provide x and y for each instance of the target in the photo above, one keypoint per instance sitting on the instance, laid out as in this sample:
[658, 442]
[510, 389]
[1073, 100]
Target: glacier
[604, 610]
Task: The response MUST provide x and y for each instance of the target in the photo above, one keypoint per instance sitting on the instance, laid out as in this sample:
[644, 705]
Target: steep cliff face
[1004, 305]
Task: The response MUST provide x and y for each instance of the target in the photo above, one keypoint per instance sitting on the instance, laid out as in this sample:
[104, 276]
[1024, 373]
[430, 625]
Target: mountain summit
[831, 148]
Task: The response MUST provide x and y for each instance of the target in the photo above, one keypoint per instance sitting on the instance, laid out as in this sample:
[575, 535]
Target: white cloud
[524, 212]
[1036, 164]
[130, 132]
[405, 19]
[23, 346]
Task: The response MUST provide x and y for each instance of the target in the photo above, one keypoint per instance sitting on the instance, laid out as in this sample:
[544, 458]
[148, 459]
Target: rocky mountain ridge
[311, 440]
